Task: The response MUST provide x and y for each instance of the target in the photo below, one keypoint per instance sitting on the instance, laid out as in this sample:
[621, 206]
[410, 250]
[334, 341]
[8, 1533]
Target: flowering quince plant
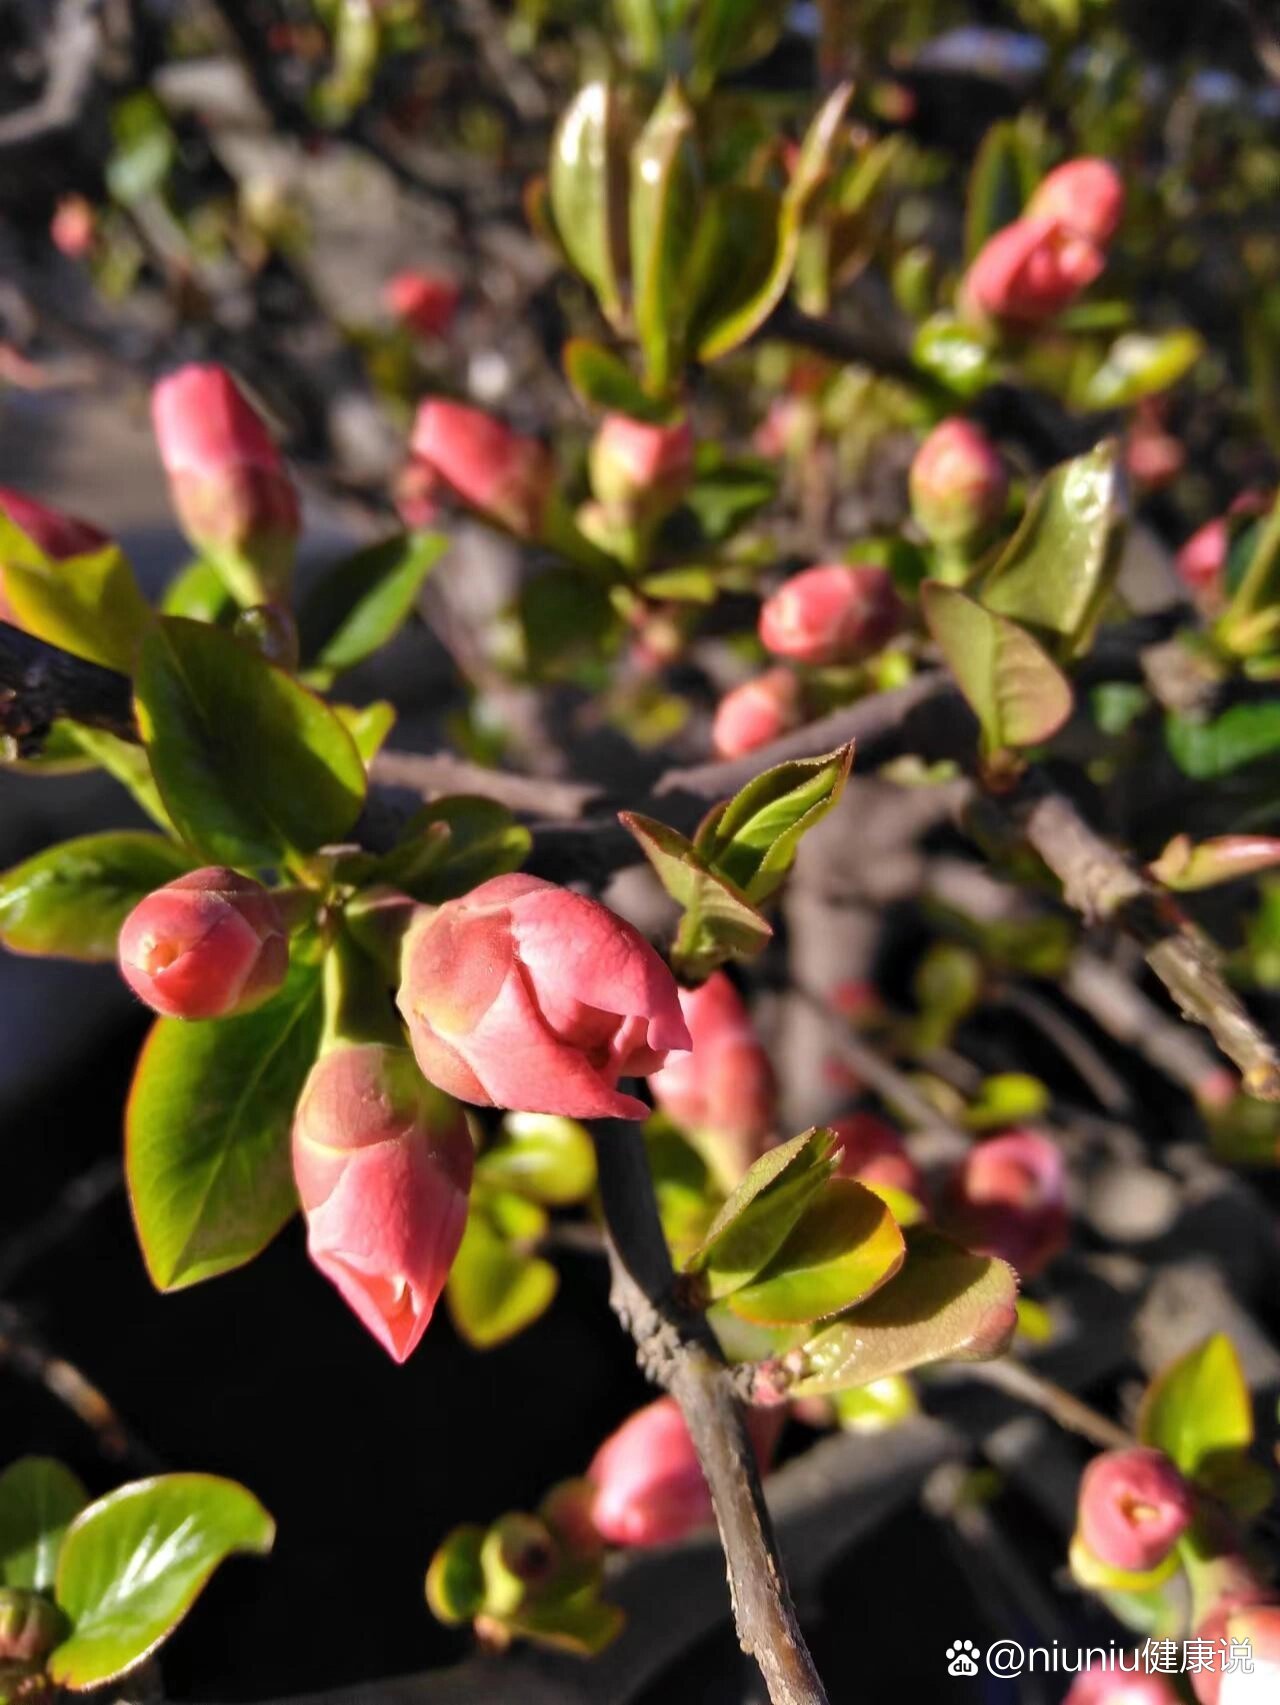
[850, 1073]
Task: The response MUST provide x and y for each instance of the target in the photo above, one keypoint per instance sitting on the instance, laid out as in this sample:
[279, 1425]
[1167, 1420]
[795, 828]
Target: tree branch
[39, 683]
[677, 1350]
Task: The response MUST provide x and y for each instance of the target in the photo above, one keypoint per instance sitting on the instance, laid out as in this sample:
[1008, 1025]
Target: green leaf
[455, 1578]
[451, 846]
[200, 592]
[845, 1245]
[603, 380]
[731, 33]
[134, 1563]
[542, 1156]
[250, 765]
[586, 188]
[1008, 1098]
[363, 602]
[756, 1220]
[718, 922]
[1141, 364]
[957, 354]
[582, 1623]
[665, 182]
[126, 762]
[753, 839]
[368, 725]
[735, 251]
[144, 151]
[89, 605]
[569, 624]
[70, 900]
[727, 492]
[1058, 570]
[1000, 184]
[495, 1288]
[39, 1499]
[876, 1407]
[207, 1133]
[943, 1305]
[1013, 686]
[1199, 1406]
[1244, 734]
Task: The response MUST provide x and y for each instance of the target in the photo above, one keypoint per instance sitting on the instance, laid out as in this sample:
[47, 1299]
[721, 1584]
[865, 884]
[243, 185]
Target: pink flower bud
[1112, 1686]
[1030, 271]
[495, 470]
[724, 1086]
[525, 995]
[71, 228]
[1153, 456]
[873, 1153]
[208, 945]
[1134, 1506]
[1252, 1626]
[834, 613]
[425, 302]
[1008, 1198]
[649, 1484]
[383, 1166]
[1201, 560]
[638, 470]
[756, 713]
[1087, 195]
[227, 481]
[58, 536]
[958, 483]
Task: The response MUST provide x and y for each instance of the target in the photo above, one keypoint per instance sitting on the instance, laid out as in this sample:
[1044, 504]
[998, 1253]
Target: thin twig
[892, 1085]
[1017, 1380]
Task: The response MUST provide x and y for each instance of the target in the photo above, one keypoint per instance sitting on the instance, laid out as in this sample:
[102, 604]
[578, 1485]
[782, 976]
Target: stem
[1017, 1380]
[677, 1350]
[1258, 589]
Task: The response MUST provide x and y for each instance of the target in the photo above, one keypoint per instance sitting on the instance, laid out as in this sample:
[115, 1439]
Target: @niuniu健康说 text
[1157, 1657]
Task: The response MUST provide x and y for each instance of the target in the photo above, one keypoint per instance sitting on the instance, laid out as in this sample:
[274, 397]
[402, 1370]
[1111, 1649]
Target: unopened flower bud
[30, 1626]
[1087, 195]
[210, 944]
[757, 713]
[383, 1165]
[227, 481]
[1030, 271]
[958, 484]
[873, 1153]
[499, 473]
[425, 302]
[641, 471]
[834, 613]
[1008, 1198]
[1134, 1506]
[72, 226]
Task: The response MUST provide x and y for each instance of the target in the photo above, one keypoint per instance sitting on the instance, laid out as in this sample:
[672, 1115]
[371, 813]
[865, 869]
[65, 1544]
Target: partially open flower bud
[640, 471]
[1087, 195]
[873, 1153]
[207, 945]
[425, 302]
[58, 536]
[958, 484]
[383, 1166]
[227, 481]
[1008, 1198]
[1030, 271]
[1134, 1506]
[756, 713]
[30, 1626]
[1104, 1685]
[495, 470]
[525, 995]
[723, 1089]
[834, 613]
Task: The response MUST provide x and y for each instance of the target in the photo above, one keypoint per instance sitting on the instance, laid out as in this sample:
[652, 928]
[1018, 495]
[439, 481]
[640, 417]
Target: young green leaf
[718, 922]
[754, 1223]
[39, 1499]
[134, 1563]
[250, 765]
[735, 251]
[126, 762]
[666, 174]
[1198, 1406]
[1243, 734]
[752, 840]
[480, 839]
[603, 380]
[70, 900]
[368, 725]
[89, 605]
[496, 1287]
[845, 1245]
[1004, 174]
[1141, 364]
[542, 1156]
[362, 603]
[455, 1578]
[1014, 687]
[207, 1133]
[586, 191]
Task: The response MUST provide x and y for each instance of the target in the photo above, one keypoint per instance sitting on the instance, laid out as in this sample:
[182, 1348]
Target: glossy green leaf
[735, 251]
[89, 605]
[1198, 1406]
[250, 765]
[455, 1578]
[39, 1499]
[1008, 1098]
[943, 1305]
[200, 592]
[731, 33]
[876, 1407]
[718, 923]
[956, 353]
[1013, 686]
[207, 1133]
[1058, 570]
[845, 1245]
[70, 900]
[1141, 364]
[1000, 184]
[756, 1220]
[665, 185]
[134, 1563]
[603, 380]
[586, 189]
[543, 1156]
[362, 603]
[1244, 734]
[368, 725]
[495, 1288]
[753, 839]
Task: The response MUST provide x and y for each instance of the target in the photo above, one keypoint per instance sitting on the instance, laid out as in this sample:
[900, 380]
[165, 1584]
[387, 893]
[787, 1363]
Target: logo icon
[962, 1658]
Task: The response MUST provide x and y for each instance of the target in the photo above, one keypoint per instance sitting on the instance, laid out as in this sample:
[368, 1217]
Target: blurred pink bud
[1008, 1198]
[1134, 1506]
[227, 481]
[71, 228]
[958, 483]
[724, 1085]
[1186, 864]
[383, 1167]
[1087, 195]
[498, 472]
[873, 1153]
[1153, 456]
[425, 302]
[208, 945]
[756, 713]
[834, 613]
[649, 1485]
[58, 536]
[1253, 1631]
[1099, 1685]
[416, 495]
[638, 470]
[1202, 559]
[525, 995]
[786, 427]
[1030, 271]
